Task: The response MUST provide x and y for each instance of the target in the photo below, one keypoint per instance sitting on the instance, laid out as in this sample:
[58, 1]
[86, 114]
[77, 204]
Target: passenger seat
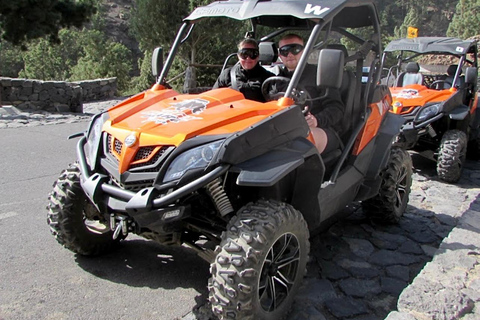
[411, 75]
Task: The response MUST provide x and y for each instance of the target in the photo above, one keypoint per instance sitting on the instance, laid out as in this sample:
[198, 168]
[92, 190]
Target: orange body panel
[474, 104]
[406, 99]
[161, 116]
[374, 121]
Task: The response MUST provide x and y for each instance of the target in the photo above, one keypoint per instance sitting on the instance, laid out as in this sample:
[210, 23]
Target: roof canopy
[281, 13]
[433, 45]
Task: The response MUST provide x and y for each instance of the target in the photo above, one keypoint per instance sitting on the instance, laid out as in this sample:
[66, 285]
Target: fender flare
[384, 140]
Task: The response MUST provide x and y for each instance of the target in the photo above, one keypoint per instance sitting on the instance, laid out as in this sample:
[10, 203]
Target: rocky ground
[425, 267]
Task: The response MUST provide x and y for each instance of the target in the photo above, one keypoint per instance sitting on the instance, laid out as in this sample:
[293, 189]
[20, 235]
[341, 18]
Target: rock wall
[26, 94]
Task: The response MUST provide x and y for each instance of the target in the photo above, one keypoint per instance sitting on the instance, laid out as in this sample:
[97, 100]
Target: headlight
[195, 158]
[428, 112]
[93, 140]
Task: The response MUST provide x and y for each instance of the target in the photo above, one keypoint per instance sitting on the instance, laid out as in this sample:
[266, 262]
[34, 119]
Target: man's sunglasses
[248, 53]
[294, 49]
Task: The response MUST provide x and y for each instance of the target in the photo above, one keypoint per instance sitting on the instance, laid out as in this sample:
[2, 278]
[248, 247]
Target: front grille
[142, 170]
[114, 146]
[143, 153]
[151, 165]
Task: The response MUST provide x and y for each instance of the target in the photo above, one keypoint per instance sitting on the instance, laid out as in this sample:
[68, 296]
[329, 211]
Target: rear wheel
[74, 220]
[452, 155]
[260, 262]
[391, 201]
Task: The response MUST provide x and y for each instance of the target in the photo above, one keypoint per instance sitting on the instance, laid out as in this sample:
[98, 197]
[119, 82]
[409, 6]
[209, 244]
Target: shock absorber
[219, 196]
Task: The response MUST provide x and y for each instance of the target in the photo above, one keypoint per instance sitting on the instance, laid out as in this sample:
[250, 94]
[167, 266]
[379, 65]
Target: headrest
[338, 46]
[330, 68]
[412, 67]
[452, 69]
[268, 52]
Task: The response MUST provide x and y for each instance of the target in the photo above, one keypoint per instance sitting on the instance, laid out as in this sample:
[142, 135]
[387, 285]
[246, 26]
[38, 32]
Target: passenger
[249, 75]
[326, 114]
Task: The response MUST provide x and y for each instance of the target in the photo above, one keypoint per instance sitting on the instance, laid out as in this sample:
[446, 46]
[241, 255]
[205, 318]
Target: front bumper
[139, 205]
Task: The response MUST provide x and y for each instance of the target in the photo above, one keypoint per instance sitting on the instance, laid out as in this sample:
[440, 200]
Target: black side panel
[309, 178]
[276, 130]
[267, 169]
[453, 102]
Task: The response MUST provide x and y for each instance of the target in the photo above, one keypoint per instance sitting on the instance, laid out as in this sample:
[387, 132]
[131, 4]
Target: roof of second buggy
[433, 45]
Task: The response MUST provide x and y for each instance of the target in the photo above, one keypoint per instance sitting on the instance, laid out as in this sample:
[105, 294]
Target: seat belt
[233, 78]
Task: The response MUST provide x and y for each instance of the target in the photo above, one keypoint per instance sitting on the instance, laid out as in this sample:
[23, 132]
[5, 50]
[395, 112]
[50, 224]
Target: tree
[466, 19]
[23, 20]
[46, 61]
[156, 23]
[102, 58]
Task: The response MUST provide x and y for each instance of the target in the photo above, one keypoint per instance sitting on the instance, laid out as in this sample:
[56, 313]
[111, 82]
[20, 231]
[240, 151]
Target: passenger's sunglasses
[293, 48]
[248, 53]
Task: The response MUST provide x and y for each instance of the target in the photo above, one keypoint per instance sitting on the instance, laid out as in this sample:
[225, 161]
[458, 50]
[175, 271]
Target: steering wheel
[270, 91]
[435, 84]
[269, 87]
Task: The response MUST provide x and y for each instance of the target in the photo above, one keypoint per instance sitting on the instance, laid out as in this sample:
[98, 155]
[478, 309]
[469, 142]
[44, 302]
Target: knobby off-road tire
[260, 262]
[391, 201]
[68, 209]
[451, 155]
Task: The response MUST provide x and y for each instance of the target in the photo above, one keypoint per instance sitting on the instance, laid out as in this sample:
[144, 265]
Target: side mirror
[157, 61]
[471, 75]
[330, 68]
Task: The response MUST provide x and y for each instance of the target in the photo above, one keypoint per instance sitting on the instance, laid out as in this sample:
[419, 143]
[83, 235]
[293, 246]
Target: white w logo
[317, 10]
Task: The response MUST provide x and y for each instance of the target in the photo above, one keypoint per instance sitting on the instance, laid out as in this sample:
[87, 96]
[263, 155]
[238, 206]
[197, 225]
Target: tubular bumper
[98, 190]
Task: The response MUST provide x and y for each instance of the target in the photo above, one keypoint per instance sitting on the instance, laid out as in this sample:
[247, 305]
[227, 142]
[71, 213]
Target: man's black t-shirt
[249, 82]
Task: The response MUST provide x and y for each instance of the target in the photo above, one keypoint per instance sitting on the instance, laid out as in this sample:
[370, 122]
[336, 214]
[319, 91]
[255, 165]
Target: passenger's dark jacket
[249, 82]
[329, 110]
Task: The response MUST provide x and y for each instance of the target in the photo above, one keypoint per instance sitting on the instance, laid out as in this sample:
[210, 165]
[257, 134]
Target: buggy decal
[407, 94]
[316, 10]
[382, 106]
[459, 49]
[177, 112]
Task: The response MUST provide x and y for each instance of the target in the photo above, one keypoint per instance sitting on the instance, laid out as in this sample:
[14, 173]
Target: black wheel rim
[278, 272]
[402, 186]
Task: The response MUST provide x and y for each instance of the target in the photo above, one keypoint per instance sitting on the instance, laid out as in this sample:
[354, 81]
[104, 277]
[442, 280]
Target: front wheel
[74, 220]
[452, 155]
[260, 262]
[391, 201]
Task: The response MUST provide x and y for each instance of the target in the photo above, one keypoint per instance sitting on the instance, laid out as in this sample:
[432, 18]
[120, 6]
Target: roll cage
[322, 18]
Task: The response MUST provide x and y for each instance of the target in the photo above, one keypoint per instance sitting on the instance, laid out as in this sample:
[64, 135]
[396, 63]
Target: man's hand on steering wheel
[274, 88]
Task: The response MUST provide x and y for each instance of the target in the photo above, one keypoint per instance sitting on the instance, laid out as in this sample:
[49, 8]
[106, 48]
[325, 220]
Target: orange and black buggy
[436, 91]
[237, 180]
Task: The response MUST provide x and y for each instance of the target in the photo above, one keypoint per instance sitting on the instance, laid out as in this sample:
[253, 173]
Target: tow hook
[120, 224]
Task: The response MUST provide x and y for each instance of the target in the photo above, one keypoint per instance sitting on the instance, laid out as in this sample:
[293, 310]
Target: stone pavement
[425, 267]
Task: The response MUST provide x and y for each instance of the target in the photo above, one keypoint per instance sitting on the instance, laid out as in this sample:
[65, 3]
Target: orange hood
[163, 117]
[405, 99]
